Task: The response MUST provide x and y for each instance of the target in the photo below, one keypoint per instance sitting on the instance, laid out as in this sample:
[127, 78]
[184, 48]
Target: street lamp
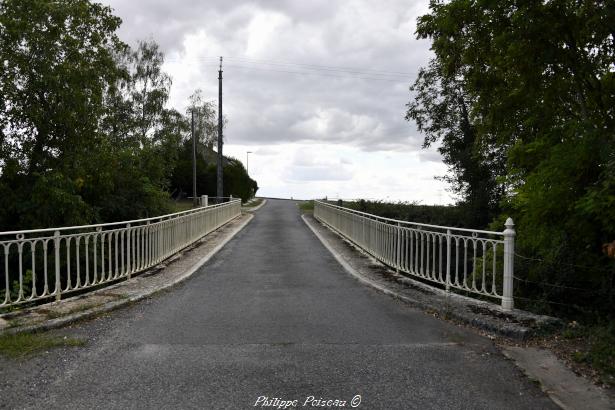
[248, 162]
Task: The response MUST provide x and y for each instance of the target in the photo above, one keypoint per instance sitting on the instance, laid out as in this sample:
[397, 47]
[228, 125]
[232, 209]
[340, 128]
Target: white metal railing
[44, 263]
[470, 260]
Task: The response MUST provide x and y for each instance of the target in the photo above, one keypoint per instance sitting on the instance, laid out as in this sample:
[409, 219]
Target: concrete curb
[562, 385]
[256, 208]
[447, 305]
[352, 270]
[566, 389]
[109, 306]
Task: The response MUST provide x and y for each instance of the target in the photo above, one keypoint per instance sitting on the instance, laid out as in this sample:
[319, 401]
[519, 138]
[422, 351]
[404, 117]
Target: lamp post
[248, 161]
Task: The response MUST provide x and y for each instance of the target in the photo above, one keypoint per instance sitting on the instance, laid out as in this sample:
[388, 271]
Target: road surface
[271, 315]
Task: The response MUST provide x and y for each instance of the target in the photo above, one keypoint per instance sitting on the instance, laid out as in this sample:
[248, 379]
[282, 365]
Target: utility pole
[220, 157]
[248, 162]
[194, 198]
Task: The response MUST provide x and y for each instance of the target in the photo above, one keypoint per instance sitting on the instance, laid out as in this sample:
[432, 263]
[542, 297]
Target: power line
[319, 74]
[327, 67]
[381, 74]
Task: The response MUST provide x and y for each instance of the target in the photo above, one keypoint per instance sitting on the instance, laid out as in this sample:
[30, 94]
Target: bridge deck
[272, 314]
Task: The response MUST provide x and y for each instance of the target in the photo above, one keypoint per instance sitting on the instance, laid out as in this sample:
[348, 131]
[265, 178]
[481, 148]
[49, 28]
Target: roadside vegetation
[86, 135]
[594, 347]
[410, 211]
[306, 206]
[180, 205]
[519, 98]
[25, 344]
[254, 202]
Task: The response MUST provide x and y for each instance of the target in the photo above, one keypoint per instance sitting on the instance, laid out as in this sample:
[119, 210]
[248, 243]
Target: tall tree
[149, 89]
[440, 108]
[57, 65]
[542, 80]
[204, 118]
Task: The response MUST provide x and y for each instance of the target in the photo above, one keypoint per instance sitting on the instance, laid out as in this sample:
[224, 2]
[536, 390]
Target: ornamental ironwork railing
[46, 263]
[470, 260]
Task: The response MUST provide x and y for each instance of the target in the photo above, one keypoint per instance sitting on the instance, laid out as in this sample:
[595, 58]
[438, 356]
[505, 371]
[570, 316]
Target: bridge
[272, 320]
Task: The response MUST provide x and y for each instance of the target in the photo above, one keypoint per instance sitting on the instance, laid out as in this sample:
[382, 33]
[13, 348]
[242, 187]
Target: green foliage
[149, 89]
[598, 347]
[205, 120]
[180, 205]
[85, 135]
[440, 110]
[485, 262]
[236, 180]
[40, 201]
[57, 63]
[408, 211]
[537, 83]
[26, 285]
[306, 206]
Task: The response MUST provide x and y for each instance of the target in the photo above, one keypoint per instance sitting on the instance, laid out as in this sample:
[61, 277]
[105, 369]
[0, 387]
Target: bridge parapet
[472, 261]
[45, 263]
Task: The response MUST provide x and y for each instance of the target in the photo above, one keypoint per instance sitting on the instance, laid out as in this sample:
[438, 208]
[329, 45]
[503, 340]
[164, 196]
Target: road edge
[448, 305]
[554, 385]
[352, 270]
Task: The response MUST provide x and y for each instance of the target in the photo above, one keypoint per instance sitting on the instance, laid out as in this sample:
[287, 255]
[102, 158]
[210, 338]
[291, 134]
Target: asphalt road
[272, 314]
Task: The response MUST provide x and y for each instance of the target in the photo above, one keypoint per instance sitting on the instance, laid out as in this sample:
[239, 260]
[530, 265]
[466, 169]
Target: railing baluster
[46, 284]
[56, 245]
[7, 281]
[20, 253]
[425, 250]
[33, 256]
[448, 260]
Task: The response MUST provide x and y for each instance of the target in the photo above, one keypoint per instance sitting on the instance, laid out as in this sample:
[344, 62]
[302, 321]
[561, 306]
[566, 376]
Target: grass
[254, 202]
[306, 206]
[596, 348]
[24, 344]
[181, 205]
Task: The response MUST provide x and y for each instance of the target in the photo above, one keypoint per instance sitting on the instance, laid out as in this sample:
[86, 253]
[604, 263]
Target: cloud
[298, 74]
[265, 152]
[268, 97]
[430, 155]
[313, 165]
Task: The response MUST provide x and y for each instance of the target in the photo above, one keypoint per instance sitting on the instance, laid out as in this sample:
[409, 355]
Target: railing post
[128, 250]
[448, 260]
[204, 200]
[509, 264]
[56, 246]
[398, 256]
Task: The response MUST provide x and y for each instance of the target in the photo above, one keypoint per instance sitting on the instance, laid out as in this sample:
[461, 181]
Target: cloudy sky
[316, 90]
